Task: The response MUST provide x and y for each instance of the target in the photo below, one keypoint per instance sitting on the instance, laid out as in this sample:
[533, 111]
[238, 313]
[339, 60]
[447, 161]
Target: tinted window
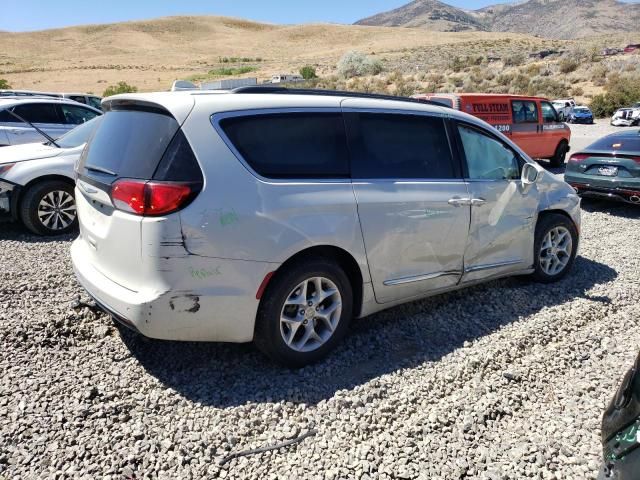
[178, 163]
[128, 144]
[77, 98]
[291, 145]
[6, 117]
[399, 146]
[38, 112]
[626, 143]
[549, 114]
[487, 158]
[95, 102]
[78, 135]
[524, 112]
[76, 115]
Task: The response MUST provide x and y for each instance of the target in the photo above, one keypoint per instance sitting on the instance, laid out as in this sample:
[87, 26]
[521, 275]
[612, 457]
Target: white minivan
[276, 216]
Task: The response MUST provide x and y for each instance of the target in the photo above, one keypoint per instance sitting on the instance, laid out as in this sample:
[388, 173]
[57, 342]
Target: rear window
[399, 146]
[626, 143]
[128, 144]
[291, 145]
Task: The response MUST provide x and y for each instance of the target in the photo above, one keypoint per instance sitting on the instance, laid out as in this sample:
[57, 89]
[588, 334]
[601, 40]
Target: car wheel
[555, 247]
[305, 313]
[49, 208]
[560, 156]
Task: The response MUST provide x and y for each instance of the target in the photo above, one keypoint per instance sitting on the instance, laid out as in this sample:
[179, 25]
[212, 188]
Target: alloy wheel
[556, 250]
[57, 210]
[310, 314]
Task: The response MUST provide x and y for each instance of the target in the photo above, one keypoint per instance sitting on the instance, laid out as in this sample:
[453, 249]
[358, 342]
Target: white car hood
[29, 151]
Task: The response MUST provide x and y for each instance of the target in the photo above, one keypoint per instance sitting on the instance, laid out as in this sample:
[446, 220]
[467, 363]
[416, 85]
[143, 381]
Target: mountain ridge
[556, 19]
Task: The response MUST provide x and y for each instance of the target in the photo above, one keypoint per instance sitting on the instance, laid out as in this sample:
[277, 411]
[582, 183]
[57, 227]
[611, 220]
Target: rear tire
[560, 156]
[295, 325]
[555, 247]
[48, 208]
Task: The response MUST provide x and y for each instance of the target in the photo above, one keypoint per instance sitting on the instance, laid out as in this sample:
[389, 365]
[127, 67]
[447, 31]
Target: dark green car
[608, 168]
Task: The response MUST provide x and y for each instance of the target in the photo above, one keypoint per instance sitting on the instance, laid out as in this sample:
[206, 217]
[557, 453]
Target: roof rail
[331, 93]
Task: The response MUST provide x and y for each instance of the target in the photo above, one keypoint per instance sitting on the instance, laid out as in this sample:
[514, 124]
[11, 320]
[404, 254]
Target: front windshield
[77, 136]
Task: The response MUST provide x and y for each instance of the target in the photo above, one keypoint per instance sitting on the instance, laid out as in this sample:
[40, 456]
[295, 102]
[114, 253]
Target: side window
[291, 145]
[77, 98]
[549, 114]
[487, 158]
[524, 111]
[95, 102]
[6, 117]
[399, 146]
[38, 112]
[76, 115]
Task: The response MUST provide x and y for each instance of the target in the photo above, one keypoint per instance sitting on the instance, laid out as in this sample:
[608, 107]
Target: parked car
[620, 429]
[87, 99]
[564, 107]
[626, 117]
[632, 48]
[581, 114]
[37, 181]
[531, 122]
[277, 215]
[26, 119]
[609, 168]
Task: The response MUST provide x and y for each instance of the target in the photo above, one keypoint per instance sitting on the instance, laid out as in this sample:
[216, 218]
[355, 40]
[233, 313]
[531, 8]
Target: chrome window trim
[420, 278]
[216, 118]
[490, 266]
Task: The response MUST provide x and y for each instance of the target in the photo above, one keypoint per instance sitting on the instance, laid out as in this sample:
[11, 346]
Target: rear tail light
[149, 198]
[578, 157]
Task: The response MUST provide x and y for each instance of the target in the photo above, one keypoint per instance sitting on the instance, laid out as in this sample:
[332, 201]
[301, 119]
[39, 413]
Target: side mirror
[530, 174]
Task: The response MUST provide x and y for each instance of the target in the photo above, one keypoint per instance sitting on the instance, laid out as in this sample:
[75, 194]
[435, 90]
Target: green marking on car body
[203, 273]
[228, 217]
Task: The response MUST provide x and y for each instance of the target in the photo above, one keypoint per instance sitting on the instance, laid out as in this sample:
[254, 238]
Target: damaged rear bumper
[187, 298]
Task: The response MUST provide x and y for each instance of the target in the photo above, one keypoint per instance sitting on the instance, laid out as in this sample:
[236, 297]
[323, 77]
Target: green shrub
[229, 71]
[356, 64]
[547, 87]
[621, 91]
[514, 60]
[568, 65]
[308, 72]
[121, 87]
[4, 85]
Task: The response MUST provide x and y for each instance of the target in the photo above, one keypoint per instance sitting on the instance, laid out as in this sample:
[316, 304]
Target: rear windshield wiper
[51, 140]
[93, 168]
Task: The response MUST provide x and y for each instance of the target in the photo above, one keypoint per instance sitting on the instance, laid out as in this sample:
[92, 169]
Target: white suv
[277, 216]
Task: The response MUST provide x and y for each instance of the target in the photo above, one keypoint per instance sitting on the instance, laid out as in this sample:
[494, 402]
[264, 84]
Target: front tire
[560, 156]
[555, 248]
[305, 313]
[49, 208]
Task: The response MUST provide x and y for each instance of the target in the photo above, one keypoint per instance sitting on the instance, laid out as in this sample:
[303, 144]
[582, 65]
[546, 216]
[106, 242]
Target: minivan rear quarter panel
[242, 216]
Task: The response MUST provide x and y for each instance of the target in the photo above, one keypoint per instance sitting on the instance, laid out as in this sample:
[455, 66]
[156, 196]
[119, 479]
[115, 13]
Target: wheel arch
[40, 179]
[551, 211]
[344, 259]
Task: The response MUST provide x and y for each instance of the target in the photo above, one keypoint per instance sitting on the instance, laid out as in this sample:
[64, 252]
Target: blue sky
[41, 14]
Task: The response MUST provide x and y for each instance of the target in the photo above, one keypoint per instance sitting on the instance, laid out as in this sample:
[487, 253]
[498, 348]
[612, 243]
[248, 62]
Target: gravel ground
[503, 381]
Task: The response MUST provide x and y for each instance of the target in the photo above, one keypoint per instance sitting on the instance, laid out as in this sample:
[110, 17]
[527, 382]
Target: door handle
[478, 202]
[458, 202]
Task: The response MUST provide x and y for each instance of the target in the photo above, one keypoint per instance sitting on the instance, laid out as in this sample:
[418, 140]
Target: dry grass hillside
[151, 54]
